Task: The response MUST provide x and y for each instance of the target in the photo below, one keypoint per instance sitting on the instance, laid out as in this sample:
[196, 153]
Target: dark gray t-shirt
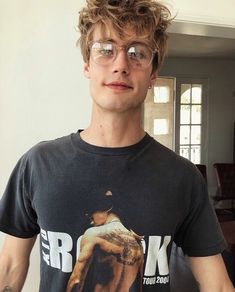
[154, 196]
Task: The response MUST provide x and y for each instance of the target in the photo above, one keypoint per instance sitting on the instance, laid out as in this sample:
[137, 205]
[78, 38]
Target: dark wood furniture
[225, 175]
[202, 169]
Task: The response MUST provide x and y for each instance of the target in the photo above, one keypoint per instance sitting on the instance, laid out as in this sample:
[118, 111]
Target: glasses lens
[140, 55]
[102, 53]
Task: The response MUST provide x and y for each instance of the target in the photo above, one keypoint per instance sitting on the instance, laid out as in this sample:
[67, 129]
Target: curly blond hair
[147, 18]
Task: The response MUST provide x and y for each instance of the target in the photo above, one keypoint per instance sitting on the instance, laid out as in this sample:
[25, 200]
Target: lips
[118, 85]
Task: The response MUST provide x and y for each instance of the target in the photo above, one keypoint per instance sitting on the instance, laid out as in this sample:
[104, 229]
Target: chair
[202, 169]
[225, 175]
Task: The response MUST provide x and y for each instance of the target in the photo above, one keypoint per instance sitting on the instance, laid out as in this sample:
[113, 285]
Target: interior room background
[43, 94]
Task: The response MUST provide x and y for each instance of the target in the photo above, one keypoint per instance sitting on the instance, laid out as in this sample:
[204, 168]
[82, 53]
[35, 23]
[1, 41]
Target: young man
[156, 193]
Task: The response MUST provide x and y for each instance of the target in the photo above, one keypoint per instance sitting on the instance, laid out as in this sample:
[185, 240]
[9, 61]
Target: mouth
[118, 85]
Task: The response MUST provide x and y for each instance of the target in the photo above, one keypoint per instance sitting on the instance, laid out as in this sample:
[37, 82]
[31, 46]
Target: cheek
[144, 78]
[143, 84]
[97, 77]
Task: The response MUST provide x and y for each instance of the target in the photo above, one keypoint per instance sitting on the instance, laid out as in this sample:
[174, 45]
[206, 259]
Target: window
[179, 123]
[158, 111]
[191, 119]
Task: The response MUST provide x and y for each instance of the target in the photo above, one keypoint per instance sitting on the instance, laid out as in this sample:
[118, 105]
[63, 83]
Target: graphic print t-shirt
[107, 217]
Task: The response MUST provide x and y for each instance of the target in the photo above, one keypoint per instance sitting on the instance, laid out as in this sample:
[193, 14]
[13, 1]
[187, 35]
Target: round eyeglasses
[139, 55]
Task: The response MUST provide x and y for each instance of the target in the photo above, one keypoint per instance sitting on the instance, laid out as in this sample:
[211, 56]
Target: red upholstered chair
[225, 174]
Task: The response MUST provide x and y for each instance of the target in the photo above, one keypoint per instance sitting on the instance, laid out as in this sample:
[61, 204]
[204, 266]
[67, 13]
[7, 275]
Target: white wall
[43, 93]
[221, 104]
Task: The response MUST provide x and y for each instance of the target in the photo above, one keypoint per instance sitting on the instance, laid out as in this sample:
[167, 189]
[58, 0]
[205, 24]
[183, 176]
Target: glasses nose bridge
[121, 48]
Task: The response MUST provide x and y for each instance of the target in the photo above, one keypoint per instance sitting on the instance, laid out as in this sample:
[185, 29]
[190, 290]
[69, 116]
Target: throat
[108, 135]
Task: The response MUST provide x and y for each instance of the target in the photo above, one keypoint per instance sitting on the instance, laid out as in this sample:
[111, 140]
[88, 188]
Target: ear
[153, 78]
[86, 70]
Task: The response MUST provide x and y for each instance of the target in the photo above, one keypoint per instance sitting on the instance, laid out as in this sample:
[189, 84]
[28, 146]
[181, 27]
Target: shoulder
[58, 144]
[51, 153]
[92, 235]
[170, 163]
[52, 148]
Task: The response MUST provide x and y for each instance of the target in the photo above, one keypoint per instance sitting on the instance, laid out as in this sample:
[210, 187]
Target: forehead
[107, 32]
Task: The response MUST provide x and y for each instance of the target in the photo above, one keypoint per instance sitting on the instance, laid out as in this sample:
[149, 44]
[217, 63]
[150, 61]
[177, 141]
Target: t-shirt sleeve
[200, 233]
[17, 215]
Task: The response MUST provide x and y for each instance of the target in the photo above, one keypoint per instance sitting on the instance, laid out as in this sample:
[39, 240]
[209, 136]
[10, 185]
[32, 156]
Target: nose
[121, 63]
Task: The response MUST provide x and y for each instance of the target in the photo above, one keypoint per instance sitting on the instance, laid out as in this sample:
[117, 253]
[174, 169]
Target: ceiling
[201, 41]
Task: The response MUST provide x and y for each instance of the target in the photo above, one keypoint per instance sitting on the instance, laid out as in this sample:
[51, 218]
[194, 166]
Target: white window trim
[204, 123]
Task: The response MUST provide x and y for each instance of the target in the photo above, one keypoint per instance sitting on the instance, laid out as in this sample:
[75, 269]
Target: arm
[210, 273]
[82, 264]
[14, 262]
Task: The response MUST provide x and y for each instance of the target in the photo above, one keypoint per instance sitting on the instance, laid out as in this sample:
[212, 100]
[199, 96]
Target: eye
[138, 52]
[106, 50]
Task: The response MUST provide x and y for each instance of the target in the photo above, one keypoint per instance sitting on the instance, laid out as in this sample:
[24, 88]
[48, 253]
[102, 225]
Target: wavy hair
[147, 18]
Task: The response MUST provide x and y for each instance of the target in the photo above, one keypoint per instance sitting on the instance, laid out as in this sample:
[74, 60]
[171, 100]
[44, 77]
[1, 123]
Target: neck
[114, 129]
[112, 218]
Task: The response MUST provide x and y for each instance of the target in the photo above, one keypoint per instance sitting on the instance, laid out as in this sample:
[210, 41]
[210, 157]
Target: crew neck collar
[85, 146]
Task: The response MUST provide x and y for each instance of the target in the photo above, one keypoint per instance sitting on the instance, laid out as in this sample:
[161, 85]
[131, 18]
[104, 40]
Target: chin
[119, 106]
